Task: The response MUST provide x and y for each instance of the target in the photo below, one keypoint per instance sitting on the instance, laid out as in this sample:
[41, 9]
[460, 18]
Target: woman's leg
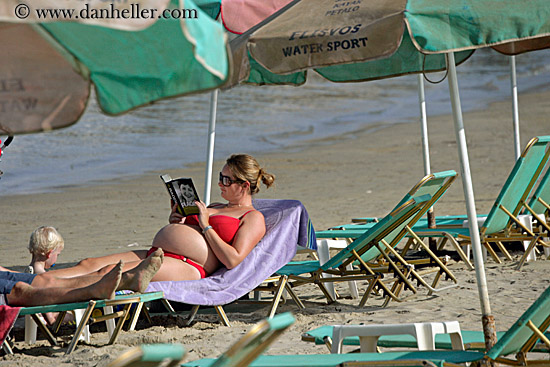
[100, 265]
[136, 275]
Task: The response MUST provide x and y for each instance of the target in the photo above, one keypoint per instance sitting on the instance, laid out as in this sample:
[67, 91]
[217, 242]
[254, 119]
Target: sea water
[173, 133]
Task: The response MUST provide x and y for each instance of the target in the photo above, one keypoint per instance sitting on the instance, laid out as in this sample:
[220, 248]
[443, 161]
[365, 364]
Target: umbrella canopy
[314, 33]
[47, 68]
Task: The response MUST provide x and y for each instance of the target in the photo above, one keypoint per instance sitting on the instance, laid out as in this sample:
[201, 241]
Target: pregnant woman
[222, 234]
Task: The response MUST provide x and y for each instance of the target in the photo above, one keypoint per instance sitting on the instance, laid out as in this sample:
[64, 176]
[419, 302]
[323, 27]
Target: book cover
[182, 192]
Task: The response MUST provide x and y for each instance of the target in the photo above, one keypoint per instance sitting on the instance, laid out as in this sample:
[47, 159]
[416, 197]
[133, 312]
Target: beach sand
[361, 174]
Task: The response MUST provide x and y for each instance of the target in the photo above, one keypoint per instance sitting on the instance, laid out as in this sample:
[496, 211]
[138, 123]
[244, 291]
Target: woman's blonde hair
[45, 239]
[245, 168]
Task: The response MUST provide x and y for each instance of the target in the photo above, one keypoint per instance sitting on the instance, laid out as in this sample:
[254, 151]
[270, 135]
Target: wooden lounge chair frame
[502, 223]
[126, 300]
[287, 278]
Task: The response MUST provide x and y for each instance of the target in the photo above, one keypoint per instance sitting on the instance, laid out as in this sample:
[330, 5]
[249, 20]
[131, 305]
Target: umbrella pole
[426, 151]
[514, 85]
[210, 148]
[488, 320]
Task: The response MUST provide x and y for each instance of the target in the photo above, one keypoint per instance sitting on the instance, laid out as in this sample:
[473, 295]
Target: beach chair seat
[472, 340]
[288, 228]
[124, 300]
[383, 236]
[149, 355]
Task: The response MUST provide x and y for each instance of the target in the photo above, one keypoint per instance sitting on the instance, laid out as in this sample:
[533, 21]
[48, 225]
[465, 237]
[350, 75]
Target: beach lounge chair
[436, 185]
[166, 355]
[288, 228]
[251, 345]
[383, 236]
[517, 341]
[471, 339]
[502, 224]
[126, 300]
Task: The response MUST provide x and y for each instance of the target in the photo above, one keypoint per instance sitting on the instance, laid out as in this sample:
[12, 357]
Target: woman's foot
[138, 278]
[106, 287]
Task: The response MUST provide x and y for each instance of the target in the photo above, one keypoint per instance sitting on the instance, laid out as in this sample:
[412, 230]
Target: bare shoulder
[254, 216]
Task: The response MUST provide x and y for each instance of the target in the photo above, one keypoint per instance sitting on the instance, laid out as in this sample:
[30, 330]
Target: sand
[361, 174]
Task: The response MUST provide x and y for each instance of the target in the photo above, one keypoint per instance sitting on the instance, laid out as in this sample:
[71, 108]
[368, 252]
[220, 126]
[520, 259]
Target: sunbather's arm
[250, 232]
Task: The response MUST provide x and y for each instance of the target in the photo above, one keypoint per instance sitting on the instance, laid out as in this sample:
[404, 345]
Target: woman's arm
[250, 232]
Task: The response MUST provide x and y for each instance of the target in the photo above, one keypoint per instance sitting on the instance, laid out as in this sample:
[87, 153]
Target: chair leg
[526, 253]
[6, 347]
[492, 252]
[222, 315]
[503, 250]
[369, 290]
[167, 305]
[135, 316]
[294, 296]
[192, 315]
[81, 326]
[120, 323]
[44, 329]
[277, 297]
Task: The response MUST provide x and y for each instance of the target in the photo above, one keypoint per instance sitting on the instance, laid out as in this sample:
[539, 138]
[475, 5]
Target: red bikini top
[226, 227]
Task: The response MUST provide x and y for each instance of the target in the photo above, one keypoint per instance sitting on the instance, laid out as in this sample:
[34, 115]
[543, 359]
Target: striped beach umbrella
[133, 53]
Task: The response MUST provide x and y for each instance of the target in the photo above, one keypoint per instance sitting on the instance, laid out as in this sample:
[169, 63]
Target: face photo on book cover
[187, 194]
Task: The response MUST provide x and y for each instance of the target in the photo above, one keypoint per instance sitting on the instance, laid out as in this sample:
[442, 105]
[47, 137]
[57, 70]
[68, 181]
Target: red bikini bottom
[182, 258]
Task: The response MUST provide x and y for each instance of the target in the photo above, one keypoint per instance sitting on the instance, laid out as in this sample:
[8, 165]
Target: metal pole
[424, 124]
[515, 108]
[210, 148]
[487, 319]
[426, 151]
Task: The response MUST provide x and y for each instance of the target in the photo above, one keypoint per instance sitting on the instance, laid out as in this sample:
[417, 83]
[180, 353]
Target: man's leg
[136, 279]
[23, 294]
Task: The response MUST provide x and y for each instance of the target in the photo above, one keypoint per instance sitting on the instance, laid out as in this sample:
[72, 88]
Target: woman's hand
[175, 216]
[203, 215]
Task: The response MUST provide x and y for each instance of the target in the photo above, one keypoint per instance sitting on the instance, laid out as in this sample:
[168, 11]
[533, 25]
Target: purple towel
[287, 226]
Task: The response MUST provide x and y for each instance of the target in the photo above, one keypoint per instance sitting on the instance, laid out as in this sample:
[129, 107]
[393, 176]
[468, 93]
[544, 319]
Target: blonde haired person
[222, 234]
[45, 245]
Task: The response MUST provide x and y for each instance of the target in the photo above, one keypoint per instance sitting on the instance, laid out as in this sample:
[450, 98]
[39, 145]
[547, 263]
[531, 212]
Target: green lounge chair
[251, 345]
[502, 223]
[382, 237]
[435, 184]
[126, 300]
[149, 355]
[517, 340]
[473, 340]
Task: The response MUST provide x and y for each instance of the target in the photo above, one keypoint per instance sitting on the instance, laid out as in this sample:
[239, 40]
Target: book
[183, 193]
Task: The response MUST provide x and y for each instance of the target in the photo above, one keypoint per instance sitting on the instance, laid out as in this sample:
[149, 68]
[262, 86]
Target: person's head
[243, 173]
[46, 243]
[187, 192]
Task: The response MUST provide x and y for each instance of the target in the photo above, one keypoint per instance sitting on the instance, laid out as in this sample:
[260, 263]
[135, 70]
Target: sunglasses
[227, 181]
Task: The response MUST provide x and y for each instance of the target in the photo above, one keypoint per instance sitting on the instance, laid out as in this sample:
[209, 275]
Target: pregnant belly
[184, 240]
